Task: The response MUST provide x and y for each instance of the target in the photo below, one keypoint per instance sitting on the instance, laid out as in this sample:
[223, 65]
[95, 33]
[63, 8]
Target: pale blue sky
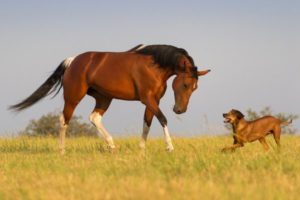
[252, 47]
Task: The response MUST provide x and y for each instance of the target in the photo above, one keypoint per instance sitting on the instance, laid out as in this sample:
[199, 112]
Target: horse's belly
[124, 93]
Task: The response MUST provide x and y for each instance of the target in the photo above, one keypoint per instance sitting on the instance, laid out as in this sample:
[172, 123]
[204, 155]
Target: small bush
[49, 125]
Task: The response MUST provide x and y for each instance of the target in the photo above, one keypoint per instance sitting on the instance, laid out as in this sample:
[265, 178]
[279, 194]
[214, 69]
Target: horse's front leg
[148, 116]
[152, 105]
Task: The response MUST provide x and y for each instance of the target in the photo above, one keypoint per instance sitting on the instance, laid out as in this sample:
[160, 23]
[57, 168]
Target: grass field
[32, 168]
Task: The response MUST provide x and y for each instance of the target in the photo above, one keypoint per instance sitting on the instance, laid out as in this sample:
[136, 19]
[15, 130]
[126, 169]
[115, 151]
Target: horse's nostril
[176, 110]
[179, 111]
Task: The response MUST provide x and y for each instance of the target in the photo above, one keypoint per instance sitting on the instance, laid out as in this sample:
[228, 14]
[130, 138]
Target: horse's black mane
[166, 56]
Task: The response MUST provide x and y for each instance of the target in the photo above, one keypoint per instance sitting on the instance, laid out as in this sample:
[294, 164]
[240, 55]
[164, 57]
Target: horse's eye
[185, 86]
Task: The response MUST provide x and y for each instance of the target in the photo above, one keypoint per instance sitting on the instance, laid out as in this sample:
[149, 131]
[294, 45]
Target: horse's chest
[162, 90]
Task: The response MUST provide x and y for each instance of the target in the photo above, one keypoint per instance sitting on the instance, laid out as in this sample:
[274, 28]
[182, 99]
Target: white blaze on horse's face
[194, 86]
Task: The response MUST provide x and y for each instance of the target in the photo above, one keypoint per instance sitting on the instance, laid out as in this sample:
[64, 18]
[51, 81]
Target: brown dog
[249, 131]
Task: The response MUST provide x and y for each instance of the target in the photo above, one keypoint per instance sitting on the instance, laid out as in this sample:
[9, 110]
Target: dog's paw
[227, 149]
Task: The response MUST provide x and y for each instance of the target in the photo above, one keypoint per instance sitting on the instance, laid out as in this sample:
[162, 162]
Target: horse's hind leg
[64, 121]
[102, 104]
[74, 91]
[148, 116]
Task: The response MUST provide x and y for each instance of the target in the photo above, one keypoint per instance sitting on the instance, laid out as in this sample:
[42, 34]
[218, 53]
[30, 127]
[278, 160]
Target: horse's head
[176, 61]
[184, 84]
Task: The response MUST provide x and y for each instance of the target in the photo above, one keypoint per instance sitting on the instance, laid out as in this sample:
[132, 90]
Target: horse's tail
[53, 83]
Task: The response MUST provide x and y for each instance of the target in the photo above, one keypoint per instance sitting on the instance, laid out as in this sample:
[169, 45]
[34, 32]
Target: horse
[139, 74]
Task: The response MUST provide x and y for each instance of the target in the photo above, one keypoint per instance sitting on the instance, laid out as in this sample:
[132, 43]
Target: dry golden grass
[32, 168]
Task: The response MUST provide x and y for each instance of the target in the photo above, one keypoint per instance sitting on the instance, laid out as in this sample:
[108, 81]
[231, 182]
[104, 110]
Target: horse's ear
[202, 73]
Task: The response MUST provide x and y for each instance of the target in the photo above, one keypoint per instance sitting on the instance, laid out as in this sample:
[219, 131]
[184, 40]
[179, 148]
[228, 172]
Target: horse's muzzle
[178, 110]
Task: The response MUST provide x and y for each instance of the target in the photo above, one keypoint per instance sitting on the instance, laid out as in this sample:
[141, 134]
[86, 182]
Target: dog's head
[233, 116]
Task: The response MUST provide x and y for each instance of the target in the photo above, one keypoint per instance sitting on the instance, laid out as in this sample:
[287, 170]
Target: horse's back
[111, 73]
[112, 60]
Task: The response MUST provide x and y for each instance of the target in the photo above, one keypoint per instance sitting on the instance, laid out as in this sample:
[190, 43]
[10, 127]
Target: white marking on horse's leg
[168, 139]
[62, 134]
[146, 129]
[96, 118]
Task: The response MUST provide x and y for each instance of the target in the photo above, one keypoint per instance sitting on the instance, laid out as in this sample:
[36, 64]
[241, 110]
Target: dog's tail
[285, 123]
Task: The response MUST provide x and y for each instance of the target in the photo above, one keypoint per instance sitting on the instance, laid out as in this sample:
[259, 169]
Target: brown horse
[138, 74]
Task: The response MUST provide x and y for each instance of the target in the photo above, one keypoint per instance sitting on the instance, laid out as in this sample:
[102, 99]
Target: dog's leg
[264, 143]
[276, 135]
[233, 147]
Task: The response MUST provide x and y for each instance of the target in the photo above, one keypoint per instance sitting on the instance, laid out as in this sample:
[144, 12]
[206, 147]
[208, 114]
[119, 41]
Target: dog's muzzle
[226, 120]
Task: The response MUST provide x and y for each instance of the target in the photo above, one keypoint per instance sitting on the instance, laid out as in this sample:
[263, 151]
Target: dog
[250, 131]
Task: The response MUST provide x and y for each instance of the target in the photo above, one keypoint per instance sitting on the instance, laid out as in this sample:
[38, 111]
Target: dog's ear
[239, 114]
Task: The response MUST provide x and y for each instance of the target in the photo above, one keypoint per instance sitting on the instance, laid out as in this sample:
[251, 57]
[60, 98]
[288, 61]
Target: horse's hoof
[142, 145]
[170, 149]
[62, 152]
[112, 149]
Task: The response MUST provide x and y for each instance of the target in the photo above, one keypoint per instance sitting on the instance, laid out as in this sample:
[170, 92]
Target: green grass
[32, 168]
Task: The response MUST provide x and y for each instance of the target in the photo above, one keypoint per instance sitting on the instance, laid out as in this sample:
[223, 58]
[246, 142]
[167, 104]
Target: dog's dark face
[233, 116]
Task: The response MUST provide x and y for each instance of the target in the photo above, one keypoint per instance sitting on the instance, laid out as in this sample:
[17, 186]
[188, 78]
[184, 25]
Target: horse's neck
[166, 74]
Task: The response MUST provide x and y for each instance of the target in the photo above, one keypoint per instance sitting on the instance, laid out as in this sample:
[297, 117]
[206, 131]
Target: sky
[251, 46]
